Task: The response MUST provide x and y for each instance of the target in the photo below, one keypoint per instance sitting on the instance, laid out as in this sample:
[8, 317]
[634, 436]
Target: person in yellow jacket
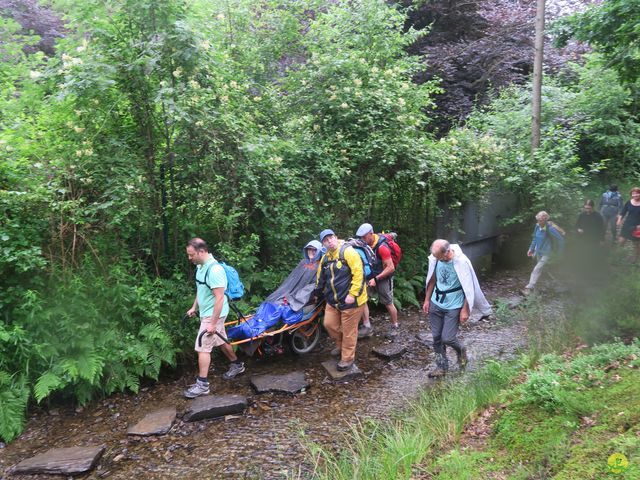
[340, 279]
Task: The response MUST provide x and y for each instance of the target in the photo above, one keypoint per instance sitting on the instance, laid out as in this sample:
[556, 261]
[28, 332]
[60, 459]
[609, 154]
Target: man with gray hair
[452, 294]
[546, 238]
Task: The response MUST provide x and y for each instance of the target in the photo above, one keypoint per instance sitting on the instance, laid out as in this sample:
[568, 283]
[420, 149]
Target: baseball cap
[364, 229]
[325, 232]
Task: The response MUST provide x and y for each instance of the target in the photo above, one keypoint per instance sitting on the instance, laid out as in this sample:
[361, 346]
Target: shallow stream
[264, 443]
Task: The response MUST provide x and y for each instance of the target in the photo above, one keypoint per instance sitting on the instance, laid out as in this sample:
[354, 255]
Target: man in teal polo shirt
[211, 282]
[452, 293]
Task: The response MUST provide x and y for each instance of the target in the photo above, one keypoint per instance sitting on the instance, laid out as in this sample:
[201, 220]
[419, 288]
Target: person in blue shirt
[452, 294]
[546, 240]
[211, 302]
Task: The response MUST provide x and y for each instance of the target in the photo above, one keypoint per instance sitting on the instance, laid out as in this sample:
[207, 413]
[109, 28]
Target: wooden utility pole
[537, 77]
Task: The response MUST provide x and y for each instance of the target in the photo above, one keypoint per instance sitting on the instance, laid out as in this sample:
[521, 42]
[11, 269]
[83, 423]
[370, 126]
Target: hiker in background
[547, 238]
[590, 226]
[381, 281]
[340, 278]
[610, 207]
[590, 229]
[629, 218]
[452, 294]
[210, 300]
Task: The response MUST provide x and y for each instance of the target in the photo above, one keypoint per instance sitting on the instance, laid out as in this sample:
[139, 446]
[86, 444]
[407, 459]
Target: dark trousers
[610, 223]
[444, 328]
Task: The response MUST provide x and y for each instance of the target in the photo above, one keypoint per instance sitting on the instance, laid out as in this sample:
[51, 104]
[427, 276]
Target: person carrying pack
[340, 279]
[546, 240]
[452, 294]
[611, 204]
[380, 281]
[213, 305]
[235, 288]
[366, 253]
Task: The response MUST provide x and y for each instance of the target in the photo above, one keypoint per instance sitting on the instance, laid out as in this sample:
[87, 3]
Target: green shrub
[89, 334]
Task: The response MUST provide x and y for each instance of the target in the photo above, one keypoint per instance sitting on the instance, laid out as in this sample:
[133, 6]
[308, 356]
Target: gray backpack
[611, 203]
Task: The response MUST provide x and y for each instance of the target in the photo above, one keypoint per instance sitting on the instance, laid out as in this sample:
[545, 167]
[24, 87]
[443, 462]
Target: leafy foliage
[252, 125]
[612, 29]
[13, 398]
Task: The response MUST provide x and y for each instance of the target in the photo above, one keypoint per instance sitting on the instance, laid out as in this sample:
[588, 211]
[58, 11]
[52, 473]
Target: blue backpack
[366, 254]
[235, 287]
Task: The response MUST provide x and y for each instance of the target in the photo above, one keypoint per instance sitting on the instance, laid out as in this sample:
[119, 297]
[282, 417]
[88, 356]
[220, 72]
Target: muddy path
[265, 442]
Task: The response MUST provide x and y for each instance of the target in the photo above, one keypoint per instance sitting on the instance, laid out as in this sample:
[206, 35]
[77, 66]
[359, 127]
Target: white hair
[542, 215]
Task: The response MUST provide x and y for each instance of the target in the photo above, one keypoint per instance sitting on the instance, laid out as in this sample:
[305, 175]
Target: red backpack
[396, 251]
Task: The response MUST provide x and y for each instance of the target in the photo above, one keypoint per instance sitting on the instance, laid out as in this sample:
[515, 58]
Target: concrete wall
[478, 228]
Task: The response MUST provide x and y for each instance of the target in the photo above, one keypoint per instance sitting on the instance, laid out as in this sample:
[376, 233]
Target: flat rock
[389, 351]
[213, 406]
[426, 339]
[62, 461]
[292, 382]
[331, 367]
[154, 423]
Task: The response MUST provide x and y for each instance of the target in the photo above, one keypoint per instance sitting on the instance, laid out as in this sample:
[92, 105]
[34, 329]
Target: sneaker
[525, 291]
[437, 373]
[463, 359]
[336, 352]
[365, 332]
[235, 369]
[344, 366]
[197, 389]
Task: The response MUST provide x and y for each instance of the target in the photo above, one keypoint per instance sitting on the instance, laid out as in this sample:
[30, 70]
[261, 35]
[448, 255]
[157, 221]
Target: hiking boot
[463, 358]
[336, 352]
[197, 389]
[235, 369]
[437, 373]
[344, 366]
[365, 332]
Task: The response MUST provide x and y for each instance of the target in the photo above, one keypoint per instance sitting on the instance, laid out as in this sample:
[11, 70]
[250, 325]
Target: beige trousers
[342, 326]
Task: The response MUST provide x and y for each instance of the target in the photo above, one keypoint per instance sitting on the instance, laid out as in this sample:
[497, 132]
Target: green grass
[528, 440]
[561, 420]
[374, 450]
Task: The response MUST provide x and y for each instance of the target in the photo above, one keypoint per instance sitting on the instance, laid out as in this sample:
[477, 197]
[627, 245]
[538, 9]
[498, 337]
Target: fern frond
[69, 367]
[47, 383]
[13, 408]
[90, 367]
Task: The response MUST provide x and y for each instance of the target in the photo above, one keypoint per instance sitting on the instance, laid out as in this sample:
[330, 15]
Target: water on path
[264, 443]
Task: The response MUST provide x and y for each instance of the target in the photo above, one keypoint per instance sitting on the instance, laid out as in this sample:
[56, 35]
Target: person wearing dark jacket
[590, 225]
[629, 220]
[589, 256]
[340, 279]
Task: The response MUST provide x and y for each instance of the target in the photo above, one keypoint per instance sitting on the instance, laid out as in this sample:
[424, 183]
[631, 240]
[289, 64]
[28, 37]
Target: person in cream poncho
[452, 295]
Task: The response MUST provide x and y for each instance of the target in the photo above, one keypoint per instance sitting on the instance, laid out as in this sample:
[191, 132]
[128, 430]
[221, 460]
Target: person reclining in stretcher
[287, 302]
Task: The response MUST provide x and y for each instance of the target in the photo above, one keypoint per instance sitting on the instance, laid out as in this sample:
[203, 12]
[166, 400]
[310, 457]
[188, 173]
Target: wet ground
[264, 443]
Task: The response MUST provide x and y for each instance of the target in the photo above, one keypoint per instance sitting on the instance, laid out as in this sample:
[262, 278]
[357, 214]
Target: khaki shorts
[209, 342]
[384, 291]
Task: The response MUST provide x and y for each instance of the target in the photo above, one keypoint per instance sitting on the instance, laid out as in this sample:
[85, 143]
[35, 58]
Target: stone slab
[426, 339]
[214, 406]
[292, 382]
[62, 461]
[331, 367]
[389, 351]
[154, 423]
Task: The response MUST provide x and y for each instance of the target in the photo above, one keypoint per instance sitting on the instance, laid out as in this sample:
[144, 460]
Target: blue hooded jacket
[543, 240]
